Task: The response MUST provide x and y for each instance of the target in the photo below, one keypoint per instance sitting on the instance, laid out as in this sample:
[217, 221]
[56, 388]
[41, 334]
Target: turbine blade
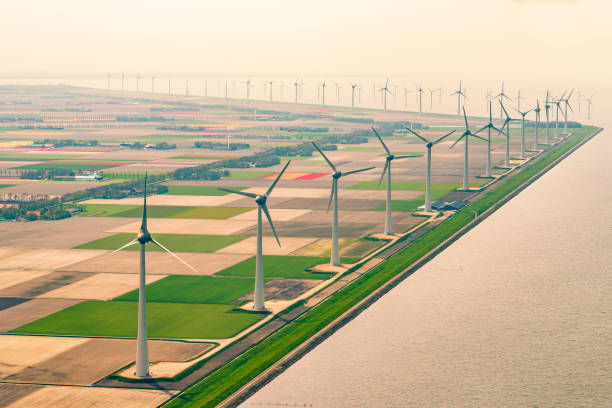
[383, 172]
[407, 156]
[381, 141]
[569, 106]
[438, 140]
[277, 178]
[465, 118]
[325, 157]
[132, 242]
[504, 109]
[482, 128]
[417, 135]
[331, 194]
[174, 255]
[356, 171]
[457, 141]
[143, 225]
[244, 193]
[478, 137]
[265, 210]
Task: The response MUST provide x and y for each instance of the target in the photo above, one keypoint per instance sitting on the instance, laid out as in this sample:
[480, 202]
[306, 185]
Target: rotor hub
[390, 157]
[337, 175]
[143, 236]
[261, 200]
[429, 145]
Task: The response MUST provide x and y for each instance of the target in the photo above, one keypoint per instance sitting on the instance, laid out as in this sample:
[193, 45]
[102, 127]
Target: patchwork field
[162, 211]
[290, 267]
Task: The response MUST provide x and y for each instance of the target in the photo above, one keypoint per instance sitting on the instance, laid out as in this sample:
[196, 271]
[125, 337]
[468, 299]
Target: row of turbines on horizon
[144, 237]
[230, 90]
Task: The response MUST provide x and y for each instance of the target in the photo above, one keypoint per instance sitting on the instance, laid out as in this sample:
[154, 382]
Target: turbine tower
[589, 102]
[429, 145]
[406, 92]
[466, 136]
[501, 130]
[270, 82]
[353, 86]
[260, 200]
[296, 84]
[248, 89]
[206, 87]
[384, 94]
[323, 93]
[138, 82]
[144, 237]
[335, 253]
[338, 87]
[537, 111]
[558, 105]
[523, 114]
[459, 92]
[547, 108]
[567, 104]
[489, 126]
[420, 92]
[387, 169]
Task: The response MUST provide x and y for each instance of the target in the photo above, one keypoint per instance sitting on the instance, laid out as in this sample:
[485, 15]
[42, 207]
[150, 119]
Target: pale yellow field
[281, 192]
[180, 200]
[92, 397]
[19, 352]
[31, 310]
[188, 226]
[158, 263]
[277, 214]
[45, 259]
[10, 278]
[103, 286]
[269, 244]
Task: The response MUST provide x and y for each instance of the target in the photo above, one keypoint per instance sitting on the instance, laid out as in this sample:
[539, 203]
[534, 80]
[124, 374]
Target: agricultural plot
[269, 246]
[69, 166]
[174, 242]
[170, 200]
[349, 248]
[290, 267]
[165, 320]
[194, 289]
[162, 211]
[248, 175]
[198, 190]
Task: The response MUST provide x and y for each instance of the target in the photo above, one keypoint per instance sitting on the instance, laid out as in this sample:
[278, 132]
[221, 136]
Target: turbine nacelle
[143, 236]
[261, 200]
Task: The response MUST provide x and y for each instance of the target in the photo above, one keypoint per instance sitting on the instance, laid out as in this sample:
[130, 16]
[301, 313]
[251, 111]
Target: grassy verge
[278, 266]
[222, 383]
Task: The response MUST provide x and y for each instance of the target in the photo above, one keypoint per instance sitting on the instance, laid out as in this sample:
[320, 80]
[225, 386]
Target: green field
[174, 242]
[277, 266]
[194, 289]
[7, 185]
[164, 320]
[201, 158]
[223, 382]
[64, 166]
[37, 157]
[248, 174]
[403, 205]
[163, 211]
[199, 190]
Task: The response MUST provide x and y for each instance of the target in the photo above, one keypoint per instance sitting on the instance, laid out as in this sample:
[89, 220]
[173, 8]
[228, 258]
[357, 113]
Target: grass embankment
[231, 377]
[199, 190]
[174, 242]
[278, 266]
[194, 289]
[164, 320]
[163, 211]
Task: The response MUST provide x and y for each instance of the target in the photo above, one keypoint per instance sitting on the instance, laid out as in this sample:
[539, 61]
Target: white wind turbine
[523, 114]
[501, 130]
[143, 237]
[429, 145]
[335, 253]
[558, 105]
[459, 92]
[537, 111]
[271, 83]
[384, 91]
[518, 100]
[387, 169]
[420, 93]
[248, 89]
[260, 200]
[466, 136]
[567, 104]
[489, 126]
[353, 87]
[296, 84]
[323, 93]
[547, 111]
[500, 96]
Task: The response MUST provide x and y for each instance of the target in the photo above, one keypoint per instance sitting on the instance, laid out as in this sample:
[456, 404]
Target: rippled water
[515, 313]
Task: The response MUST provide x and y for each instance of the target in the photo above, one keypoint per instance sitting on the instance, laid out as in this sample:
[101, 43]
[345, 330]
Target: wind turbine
[296, 84]
[547, 108]
[144, 237]
[282, 86]
[459, 92]
[489, 126]
[138, 82]
[500, 96]
[466, 136]
[226, 94]
[518, 100]
[429, 145]
[420, 92]
[537, 111]
[431, 92]
[567, 104]
[501, 130]
[248, 89]
[523, 114]
[387, 169]
[260, 200]
[335, 254]
[589, 102]
[558, 105]
[384, 91]
[323, 92]
[353, 86]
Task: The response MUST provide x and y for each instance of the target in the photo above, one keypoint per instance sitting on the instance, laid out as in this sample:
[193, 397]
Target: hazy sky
[489, 37]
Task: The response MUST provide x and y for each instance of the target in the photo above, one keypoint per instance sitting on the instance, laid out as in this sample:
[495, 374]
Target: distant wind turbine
[260, 200]
[466, 137]
[500, 96]
[506, 124]
[169, 86]
[323, 92]
[518, 100]
[537, 111]
[353, 87]
[387, 169]
[459, 92]
[429, 145]
[335, 254]
[296, 84]
[558, 105]
[489, 126]
[248, 89]
[547, 108]
[420, 93]
[523, 114]
[567, 105]
[589, 102]
[144, 237]
[384, 91]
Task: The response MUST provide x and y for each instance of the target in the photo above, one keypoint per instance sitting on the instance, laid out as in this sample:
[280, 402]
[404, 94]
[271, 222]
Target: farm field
[174, 242]
[198, 190]
[165, 320]
[289, 267]
[162, 211]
